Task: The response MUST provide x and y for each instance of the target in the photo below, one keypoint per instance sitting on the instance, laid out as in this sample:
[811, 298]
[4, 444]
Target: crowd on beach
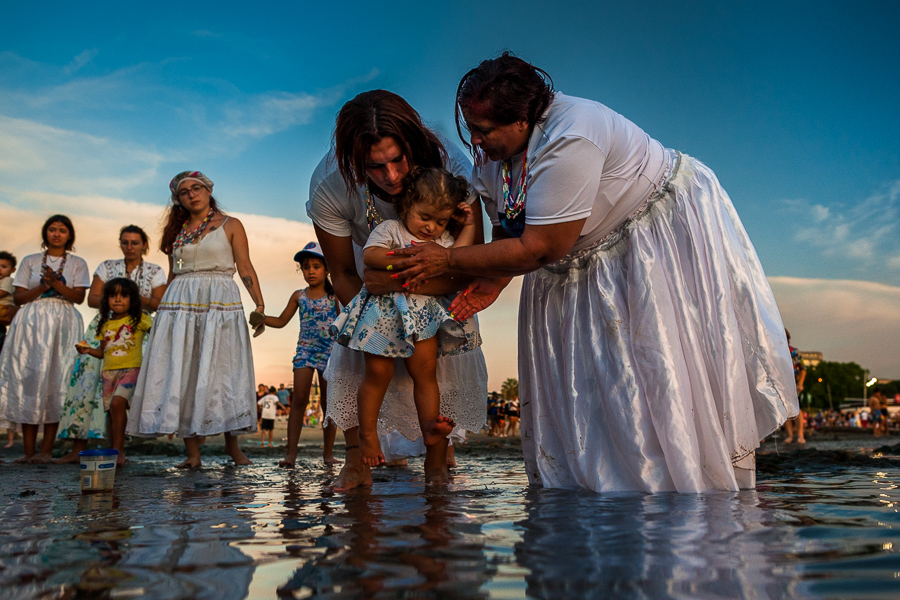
[651, 352]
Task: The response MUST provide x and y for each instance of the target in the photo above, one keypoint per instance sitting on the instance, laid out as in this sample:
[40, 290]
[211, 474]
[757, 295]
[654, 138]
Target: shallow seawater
[261, 532]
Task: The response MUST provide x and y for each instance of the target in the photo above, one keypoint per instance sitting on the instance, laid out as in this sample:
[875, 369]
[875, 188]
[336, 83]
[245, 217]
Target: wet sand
[821, 524]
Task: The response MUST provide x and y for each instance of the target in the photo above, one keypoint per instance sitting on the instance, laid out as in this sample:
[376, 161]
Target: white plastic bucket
[98, 470]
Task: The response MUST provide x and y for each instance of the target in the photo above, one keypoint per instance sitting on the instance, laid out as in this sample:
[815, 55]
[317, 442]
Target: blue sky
[794, 107]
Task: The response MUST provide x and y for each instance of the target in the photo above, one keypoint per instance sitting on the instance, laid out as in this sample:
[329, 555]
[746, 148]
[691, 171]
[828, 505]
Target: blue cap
[311, 249]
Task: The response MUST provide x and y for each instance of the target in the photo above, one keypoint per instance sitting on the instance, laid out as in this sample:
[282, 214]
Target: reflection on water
[224, 533]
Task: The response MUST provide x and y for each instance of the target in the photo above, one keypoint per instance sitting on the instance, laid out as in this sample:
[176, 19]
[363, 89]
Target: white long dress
[39, 351]
[197, 377]
[462, 379]
[653, 357]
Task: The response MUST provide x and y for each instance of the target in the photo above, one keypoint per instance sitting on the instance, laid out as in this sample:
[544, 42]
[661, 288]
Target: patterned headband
[184, 175]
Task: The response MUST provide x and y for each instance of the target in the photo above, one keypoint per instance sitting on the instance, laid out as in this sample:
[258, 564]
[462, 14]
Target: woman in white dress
[378, 139]
[83, 417]
[40, 347]
[197, 377]
[652, 354]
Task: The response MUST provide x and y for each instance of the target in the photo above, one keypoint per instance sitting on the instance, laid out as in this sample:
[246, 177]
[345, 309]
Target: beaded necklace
[139, 277]
[51, 293]
[513, 206]
[372, 216]
[185, 237]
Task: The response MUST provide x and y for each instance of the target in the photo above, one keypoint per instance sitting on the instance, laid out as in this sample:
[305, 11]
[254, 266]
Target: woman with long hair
[40, 346]
[197, 378]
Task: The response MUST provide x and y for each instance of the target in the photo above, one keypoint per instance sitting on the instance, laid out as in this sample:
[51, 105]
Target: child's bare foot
[354, 473]
[370, 449]
[331, 460]
[439, 476]
[40, 459]
[71, 457]
[23, 460]
[451, 457]
[434, 432]
[191, 463]
[288, 461]
[397, 462]
[9, 445]
[121, 461]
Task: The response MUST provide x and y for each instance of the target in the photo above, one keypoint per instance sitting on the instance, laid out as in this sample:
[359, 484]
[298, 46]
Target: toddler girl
[121, 331]
[318, 308]
[414, 327]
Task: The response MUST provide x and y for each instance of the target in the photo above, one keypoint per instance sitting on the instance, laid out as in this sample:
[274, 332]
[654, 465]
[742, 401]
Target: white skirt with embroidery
[657, 360]
[197, 376]
[37, 360]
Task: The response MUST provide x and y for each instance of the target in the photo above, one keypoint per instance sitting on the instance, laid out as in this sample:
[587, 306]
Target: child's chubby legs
[118, 416]
[422, 367]
[379, 371]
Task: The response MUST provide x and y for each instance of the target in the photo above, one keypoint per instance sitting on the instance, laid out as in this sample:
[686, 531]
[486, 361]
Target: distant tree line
[828, 383]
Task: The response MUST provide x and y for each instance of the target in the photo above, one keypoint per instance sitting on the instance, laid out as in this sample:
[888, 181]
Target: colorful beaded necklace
[51, 293]
[372, 216]
[513, 206]
[185, 237]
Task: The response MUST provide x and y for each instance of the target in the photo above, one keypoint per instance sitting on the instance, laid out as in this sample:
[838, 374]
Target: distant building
[811, 359]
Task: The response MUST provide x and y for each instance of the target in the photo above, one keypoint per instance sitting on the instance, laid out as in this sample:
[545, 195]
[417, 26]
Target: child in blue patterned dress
[414, 327]
[318, 308]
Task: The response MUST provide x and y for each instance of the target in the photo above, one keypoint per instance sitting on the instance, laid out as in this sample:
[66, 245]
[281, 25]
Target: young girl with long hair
[197, 378]
[120, 329]
[37, 362]
[414, 327]
[318, 309]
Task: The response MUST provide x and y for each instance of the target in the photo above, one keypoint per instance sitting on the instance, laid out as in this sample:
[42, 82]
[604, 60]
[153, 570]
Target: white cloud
[865, 232]
[856, 321]
[79, 61]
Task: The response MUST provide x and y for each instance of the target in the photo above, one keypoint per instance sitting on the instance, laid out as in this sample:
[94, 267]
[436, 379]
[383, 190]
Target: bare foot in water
[240, 459]
[451, 457]
[370, 449]
[191, 463]
[288, 461]
[434, 432]
[71, 457]
[354, 473]
[397, 462]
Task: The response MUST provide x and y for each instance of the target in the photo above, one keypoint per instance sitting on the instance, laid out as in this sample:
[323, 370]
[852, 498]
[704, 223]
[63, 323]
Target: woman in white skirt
[378, 138]
[83, 417]
[652, 355]
[197, 376]
[39, 350]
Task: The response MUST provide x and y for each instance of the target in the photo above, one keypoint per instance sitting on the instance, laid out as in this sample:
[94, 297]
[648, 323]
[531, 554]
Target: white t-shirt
[393, 234]
[75, 272]
[269, 404]
[6, 285]
[152, 275]
[342, 213]
[585, 161]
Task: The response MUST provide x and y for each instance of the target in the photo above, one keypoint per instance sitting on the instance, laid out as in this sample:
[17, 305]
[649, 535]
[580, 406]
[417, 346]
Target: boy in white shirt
[270, 405]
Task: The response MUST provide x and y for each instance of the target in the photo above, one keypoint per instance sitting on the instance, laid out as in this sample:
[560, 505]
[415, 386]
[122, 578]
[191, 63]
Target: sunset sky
[794, 105]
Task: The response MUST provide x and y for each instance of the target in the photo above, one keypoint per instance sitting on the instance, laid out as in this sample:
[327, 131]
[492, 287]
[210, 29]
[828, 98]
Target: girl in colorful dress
[318, 309]
[83, 416]
[414, 327]
[120, 329]
[197, 378]
[35, 368]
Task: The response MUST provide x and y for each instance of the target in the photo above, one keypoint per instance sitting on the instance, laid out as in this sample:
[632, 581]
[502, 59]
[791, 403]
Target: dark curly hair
[126, 287]
[369, 118]
[505, 89]
[8, 257]
[436, 187]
